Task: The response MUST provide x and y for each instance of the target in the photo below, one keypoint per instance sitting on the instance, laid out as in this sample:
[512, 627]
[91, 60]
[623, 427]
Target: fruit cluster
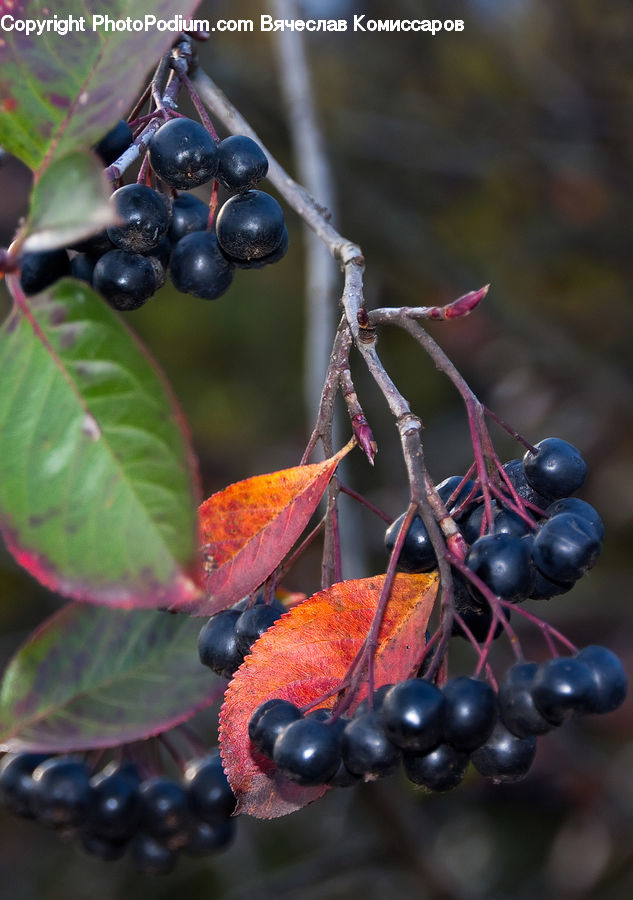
[539, 542]
[158, 231]
[227, 637]
[116, 810]
[435, 732]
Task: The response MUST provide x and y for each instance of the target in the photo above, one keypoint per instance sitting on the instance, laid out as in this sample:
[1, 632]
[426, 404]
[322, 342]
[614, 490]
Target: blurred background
[500, 154]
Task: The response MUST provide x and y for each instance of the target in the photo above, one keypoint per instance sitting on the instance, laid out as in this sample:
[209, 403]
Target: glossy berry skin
[241, 163]
[211, 797]
[412, 714]
[516, 476]
[61, 793]
[125, 280]
[417, 553]
[217, 646]
[469, 713]
[198, 267]
[207, 838]
[578, 507]
[95, 245]
[115, 807]
[517, 710]
[440, 770]
[566, 547]
[267, 724]
[504, 564]
[307, 752]
[556, 470]
[448, 487]
[505, 757]
[114, 143]
[151, 856]
[609, 678]
[39, 270]
[269, 259]
[183, 154]
[365, 748]
[504, 521]
[82, 267]
[188, 214]
[16, 782]
[254, 621]
[250, 225]
[563, 686]
[544, 588]
[145, 218]
[166, 808]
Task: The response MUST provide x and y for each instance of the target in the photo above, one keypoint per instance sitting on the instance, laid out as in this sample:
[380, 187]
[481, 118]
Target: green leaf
[68, 202]
[95, 677]
[61, 93]
[98, 491]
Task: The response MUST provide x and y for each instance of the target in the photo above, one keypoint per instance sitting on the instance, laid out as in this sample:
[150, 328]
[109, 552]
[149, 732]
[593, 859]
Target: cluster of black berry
[537, 552]
[116, 810]
[127, 262]
[435, 732]
[228, 636]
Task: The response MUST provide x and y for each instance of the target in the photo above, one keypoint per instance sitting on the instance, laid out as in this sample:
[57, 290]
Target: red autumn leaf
[305, 655]
[248, 528]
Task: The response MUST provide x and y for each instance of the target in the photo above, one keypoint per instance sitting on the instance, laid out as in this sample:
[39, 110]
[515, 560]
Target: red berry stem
[365, 502]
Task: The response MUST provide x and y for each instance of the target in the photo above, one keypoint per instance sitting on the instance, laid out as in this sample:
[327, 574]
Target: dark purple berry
[516, 704]
[307, 752]
[412, 715]
[82, 267]
[504, 564]
[269, 259]
[505, 757]
[241, 163]
[447, 488]
[516, 476]
[61, 793]
[115, 807]
[209, 790]
[609, 678]
[440, 770]
[166, 808]
[114, 143]
[563, 686]
[417, 553]
[478, 621]
[145, 218]
[207, 838]
[183, 154]
[217, 646]
[250, 225]
[254, 621]
[39, 270]
[365, 748]
[377, 700]
[198, 267]
[556, 470]
[125, 280]
[268, 721]
[578, 508]
[188, 214]
[566, 547]
[544, 588]
[151, 856]
[16, 782]
[470, 712]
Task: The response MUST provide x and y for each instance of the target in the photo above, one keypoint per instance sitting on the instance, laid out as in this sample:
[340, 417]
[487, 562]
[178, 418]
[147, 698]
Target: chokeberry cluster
[538, 543]
[116, 811]
[158, 232]
[227, 637]
[436, 732]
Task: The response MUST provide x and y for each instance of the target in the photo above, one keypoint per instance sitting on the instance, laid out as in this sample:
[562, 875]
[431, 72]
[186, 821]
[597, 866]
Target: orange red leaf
[247, 529]
[305, 655]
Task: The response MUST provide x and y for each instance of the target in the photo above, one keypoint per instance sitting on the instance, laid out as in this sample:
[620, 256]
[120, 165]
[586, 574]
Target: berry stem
[511, 431]
[365, 502]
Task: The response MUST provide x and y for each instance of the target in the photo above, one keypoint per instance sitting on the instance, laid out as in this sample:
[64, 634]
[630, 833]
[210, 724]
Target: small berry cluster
[115, 810]
[539, 543]
[228, 636]
[435, 732]
[127, 262]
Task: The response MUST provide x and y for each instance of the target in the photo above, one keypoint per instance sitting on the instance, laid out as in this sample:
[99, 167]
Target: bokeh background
[503, 154]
